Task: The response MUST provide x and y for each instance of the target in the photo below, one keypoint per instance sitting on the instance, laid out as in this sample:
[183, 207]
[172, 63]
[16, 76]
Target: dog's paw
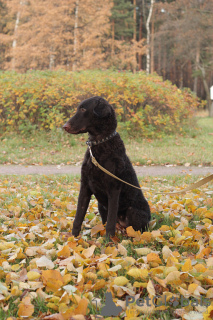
[110, 233]
[75, 232]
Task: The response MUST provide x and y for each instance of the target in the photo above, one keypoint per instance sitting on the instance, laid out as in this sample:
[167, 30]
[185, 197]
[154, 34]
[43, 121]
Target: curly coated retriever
[117, 201]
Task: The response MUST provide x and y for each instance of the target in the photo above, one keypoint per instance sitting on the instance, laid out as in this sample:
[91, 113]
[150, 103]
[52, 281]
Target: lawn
[58, 147]
[45, 273]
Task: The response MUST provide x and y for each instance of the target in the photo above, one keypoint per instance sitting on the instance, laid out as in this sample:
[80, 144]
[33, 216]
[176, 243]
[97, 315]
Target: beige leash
[191, 187]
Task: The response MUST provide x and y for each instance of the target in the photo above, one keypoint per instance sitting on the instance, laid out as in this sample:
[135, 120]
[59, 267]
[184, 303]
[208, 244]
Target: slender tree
[75, 35]
[148, 37]
[4, 33]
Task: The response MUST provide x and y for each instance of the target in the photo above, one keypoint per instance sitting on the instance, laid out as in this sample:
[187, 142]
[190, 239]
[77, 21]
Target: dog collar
[94, 143]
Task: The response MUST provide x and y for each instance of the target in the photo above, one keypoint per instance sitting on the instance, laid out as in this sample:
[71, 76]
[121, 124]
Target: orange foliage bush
[44, 100]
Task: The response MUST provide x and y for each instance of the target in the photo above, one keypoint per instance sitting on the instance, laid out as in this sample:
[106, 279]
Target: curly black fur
[116, 200]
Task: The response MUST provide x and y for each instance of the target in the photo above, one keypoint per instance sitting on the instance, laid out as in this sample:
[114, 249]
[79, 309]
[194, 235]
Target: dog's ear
[102, 109]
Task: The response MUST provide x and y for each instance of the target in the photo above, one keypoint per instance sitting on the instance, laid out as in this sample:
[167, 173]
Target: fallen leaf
[26, 309]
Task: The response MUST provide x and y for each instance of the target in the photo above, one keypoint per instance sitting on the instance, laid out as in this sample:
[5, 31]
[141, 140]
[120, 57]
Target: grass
[61, 148]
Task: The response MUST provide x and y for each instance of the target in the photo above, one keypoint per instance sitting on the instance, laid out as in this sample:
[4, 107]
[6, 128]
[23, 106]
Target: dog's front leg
[113, 202]
[83, 202]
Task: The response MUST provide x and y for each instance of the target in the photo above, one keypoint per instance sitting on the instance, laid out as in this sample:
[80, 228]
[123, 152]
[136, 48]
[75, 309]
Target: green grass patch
[58, 147]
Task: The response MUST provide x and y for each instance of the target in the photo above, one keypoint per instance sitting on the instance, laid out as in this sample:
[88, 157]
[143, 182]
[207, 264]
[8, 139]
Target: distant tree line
[172, 38]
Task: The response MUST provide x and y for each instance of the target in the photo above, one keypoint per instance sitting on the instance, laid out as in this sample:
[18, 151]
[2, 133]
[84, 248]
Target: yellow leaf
[189, 202]
[143, 251]
[192, 287]
[128, 261]
[67, 278]
[15, 291]
[187, 266]
[173, 278]
[209, 313]
[137, 284]
[33, 275]
[131, 314]
[200, 268]
[150, 288]
[121, 281]
[209, 215]
[166, 253]
[183, 292]
[138, 273]
[209, 293]
[160, 281]
[167, 270]
[62, 307]
[52, 305]
[111, 250]
[122, 250]
[90, 276]
[15, 267]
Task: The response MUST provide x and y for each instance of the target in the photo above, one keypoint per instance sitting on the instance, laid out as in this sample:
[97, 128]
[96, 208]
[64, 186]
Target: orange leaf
[204, 252]
[26, 309]
[82, 307]
[99, 285]
[64, 253]
[132, 233]
[146, 236]
[154, 257]
[96, 229]
[52, 279]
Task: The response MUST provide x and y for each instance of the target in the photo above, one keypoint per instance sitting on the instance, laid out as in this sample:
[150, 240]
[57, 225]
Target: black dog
[117, 201]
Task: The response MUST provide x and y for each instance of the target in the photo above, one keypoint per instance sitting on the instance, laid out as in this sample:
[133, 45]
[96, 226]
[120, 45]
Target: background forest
[172, 38]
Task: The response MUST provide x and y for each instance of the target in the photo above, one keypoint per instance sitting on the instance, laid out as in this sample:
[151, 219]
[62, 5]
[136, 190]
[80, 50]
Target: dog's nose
[66, 127]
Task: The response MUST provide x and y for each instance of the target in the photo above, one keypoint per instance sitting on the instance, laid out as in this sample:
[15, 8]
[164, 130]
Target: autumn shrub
[44, 100]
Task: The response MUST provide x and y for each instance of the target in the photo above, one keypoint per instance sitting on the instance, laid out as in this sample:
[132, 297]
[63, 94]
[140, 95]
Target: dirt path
[75, 170]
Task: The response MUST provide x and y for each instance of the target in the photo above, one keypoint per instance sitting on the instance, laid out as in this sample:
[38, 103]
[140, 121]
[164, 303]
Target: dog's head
[91, 115]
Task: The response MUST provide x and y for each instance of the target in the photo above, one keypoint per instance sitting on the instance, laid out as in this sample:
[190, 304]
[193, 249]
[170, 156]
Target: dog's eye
[83, 110]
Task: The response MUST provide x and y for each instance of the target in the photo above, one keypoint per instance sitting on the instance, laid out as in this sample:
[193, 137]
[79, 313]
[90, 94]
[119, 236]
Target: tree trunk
[52, 59]
[113, 41]
[75, 35]
[15, 37]
[197, 60]
[159, 59]
[140, 37]
[134, 37]
[152, 47]
[148, 37]
[164, 64]
[207, 90]
[211, 109]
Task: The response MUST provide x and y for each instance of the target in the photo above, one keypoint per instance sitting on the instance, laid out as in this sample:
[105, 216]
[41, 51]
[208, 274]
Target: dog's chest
[97, 180]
